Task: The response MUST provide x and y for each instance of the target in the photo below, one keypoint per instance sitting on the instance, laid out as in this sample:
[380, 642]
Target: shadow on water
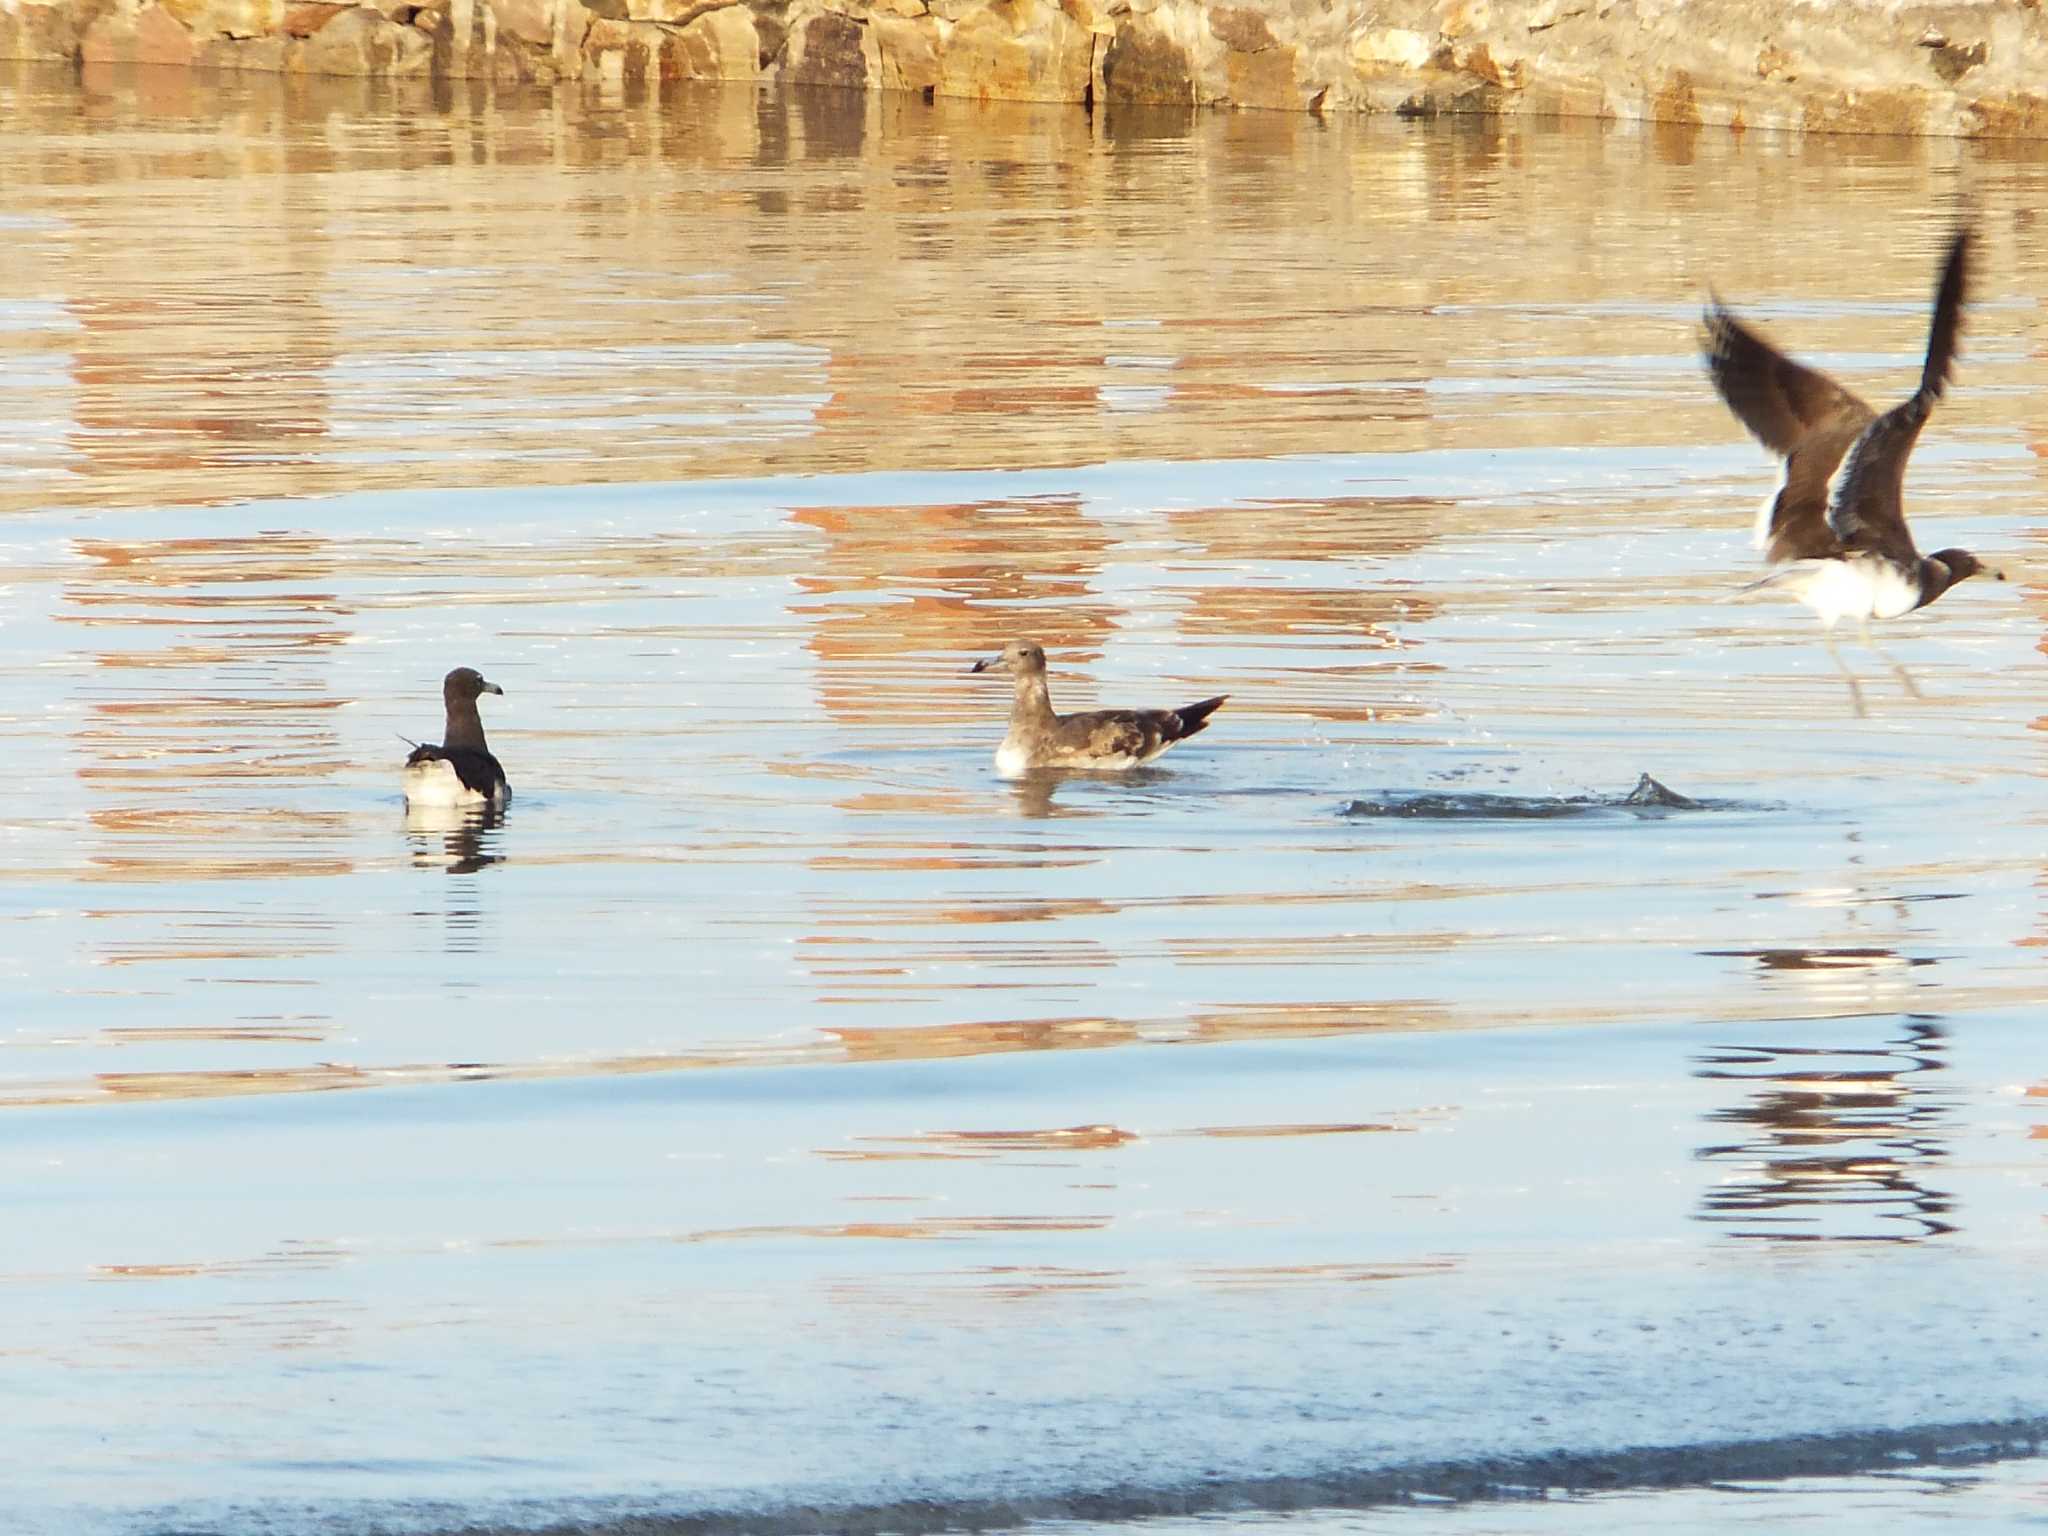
[1648, 798]
[1836, 1140]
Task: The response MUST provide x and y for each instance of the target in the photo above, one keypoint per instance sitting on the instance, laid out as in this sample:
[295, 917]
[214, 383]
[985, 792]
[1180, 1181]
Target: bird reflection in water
[1034, 792]
[1838, 1140]
[459, 840]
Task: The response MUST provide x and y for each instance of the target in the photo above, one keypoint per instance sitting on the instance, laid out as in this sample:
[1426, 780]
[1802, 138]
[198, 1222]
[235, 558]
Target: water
[774, 1110]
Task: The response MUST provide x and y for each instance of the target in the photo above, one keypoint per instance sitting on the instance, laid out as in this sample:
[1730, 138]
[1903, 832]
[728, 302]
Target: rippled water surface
[775, 1108]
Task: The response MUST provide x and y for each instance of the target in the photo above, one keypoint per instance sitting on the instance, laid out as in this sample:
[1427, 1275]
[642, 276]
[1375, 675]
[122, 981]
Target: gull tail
[1781, 575]
[1195, 717]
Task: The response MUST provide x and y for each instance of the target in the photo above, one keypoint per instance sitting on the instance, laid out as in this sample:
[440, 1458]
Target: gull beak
[494, 688]
[988, 664]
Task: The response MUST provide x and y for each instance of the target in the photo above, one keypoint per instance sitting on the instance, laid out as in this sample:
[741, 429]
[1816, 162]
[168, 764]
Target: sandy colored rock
[1268, 78]
[527, 21]
[1149, 61]
[148, 36]
[254, 55]
[906, 52]
[675, 12]
[633, 52]
[1886, 111]
[228, 18]
[1018, 50]
[537, 39]
[721, 44]
[305, 20]
[1977, 67]
[359, 41]
[47, 33]
[1393, 48]
[604, 50]
[826, 48]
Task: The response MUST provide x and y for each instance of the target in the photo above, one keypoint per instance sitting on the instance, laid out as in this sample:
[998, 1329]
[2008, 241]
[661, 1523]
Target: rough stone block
[771, 20]
[1145, 63]
[1392, 48]
[150, 36]
[305, 20]
[228, 18]
[361, 42]
[1018, 50]
[719, 45]
[826, 49]
[1893, 110]
[906, 53]
[1241, 28]
[255, 55]
[1824, 65]
[624, 51]
[528, 21]
[606, 35]
[1266, 78]
[47, 33]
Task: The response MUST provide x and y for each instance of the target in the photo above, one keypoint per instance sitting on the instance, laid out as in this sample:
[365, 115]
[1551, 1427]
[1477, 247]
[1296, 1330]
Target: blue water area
[1537, 1026]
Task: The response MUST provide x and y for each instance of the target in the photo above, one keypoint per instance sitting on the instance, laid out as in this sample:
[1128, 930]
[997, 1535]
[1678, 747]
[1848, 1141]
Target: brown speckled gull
[1100, 739]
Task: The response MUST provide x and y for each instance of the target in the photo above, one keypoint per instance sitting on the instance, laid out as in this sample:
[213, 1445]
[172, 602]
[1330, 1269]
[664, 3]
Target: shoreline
[1831, 66]
[1436, 1484]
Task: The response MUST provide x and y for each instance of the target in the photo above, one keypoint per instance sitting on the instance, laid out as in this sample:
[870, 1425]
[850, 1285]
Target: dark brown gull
[1835, 528]
[461, 770]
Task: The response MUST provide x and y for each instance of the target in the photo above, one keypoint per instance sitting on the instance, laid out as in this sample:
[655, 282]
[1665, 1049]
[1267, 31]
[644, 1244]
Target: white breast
[436, 783]
[1860, 587]
[1011, 759]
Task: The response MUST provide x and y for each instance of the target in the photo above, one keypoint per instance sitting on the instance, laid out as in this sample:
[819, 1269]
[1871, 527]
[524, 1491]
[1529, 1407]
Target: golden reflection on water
[504, 288]
[724, 429]
[971, 1145]
[738, 711]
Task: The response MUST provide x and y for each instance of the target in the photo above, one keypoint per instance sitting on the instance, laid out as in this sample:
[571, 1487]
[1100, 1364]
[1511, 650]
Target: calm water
[776, 1108]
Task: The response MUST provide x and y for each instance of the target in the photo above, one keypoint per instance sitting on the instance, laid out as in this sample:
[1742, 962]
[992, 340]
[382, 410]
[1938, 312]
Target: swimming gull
[461, 770]
[1100, 739]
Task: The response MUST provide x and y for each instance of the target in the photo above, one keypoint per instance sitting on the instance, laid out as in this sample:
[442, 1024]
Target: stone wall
[1837, 65]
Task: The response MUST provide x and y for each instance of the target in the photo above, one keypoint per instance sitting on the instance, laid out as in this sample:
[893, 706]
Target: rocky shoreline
[1977, 70]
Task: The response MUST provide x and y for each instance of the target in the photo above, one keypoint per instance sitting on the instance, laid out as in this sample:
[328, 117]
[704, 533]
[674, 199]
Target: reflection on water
[458, 839]
[724, 427]
[462, 841]
[1048, 792]
[1839, 1143]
